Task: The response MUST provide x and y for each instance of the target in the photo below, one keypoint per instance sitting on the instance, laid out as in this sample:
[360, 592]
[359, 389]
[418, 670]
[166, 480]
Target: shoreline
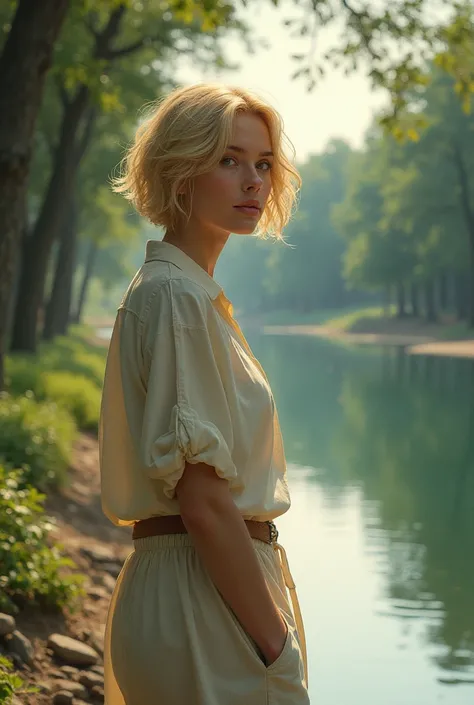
[414, 343]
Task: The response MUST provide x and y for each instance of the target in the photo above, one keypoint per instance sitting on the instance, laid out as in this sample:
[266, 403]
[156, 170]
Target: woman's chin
[245, 230]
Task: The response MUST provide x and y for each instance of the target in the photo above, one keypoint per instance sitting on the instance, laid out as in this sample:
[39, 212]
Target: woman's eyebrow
[241, 150]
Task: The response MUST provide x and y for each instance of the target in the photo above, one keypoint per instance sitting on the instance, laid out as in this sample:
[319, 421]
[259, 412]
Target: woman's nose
[253, 180]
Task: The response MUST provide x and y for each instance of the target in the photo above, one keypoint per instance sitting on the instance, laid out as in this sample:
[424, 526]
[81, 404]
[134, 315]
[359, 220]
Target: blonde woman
[191, 453]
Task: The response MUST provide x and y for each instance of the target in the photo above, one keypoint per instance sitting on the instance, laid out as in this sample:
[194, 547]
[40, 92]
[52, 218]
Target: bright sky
[339, 106]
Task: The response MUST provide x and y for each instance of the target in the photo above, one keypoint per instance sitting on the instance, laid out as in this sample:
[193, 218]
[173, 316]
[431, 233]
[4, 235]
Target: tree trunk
[430, 305]
[461, 295]
[415, 299]
[73, 143]
[51, 218]
[401, 301]
[59, 305]
[469, 220]
[443, 291]
[24, 63]
[90, 262]
[387, 302]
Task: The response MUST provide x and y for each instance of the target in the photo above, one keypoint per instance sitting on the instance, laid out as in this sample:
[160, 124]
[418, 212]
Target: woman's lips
[249, 210]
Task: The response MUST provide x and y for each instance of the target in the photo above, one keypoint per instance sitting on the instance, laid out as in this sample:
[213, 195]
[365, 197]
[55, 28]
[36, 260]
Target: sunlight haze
[338, 107]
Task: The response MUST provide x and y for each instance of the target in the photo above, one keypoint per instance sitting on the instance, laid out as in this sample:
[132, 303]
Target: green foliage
[68, 371]
[11, 683]
[37, 437]
[33, 573]
[351, 321]
[76, 394]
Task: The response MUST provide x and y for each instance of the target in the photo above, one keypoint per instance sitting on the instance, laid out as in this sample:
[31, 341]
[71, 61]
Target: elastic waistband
[157, 543]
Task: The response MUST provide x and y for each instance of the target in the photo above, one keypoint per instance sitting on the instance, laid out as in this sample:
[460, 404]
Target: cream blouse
[182, 385]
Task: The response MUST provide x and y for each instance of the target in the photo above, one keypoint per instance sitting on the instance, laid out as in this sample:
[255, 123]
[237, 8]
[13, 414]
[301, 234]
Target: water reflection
[393, 434]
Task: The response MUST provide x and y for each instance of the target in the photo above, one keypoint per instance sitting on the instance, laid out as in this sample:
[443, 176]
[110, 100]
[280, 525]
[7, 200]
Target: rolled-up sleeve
[186, 414]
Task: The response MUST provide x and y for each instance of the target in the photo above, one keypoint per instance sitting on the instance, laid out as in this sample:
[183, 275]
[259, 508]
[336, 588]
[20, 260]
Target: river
[380, 535]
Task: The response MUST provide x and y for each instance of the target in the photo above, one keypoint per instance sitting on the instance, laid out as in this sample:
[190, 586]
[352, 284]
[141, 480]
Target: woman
[191, 453]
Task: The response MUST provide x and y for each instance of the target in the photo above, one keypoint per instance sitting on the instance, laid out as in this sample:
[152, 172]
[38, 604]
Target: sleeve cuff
[194, 441]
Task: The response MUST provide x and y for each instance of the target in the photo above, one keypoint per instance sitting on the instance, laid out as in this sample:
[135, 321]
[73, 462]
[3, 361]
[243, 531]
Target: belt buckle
[273, 532]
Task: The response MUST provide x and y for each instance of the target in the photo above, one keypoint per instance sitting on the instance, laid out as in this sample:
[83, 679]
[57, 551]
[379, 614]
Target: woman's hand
[273, 649]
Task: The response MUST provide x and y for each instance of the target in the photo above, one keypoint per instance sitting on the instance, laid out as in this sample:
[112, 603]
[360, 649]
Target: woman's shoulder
[165, 288]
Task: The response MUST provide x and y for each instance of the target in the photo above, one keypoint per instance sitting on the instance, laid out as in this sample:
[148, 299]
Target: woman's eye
[265, 165]
[226, 161]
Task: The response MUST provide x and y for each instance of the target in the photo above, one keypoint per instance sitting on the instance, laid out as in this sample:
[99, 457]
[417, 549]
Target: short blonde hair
[186, 135]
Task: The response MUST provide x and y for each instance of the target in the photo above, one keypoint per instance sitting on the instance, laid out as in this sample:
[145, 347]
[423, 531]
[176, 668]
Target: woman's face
[231, 198]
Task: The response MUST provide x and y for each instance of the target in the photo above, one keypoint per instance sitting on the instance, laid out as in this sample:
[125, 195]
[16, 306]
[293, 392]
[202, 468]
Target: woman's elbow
[201, 493]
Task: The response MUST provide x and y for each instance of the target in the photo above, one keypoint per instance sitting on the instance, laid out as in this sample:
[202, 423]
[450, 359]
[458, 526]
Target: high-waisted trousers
[171, 639]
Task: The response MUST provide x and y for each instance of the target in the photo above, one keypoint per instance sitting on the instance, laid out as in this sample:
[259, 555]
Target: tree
[128, 30]
[24, 63]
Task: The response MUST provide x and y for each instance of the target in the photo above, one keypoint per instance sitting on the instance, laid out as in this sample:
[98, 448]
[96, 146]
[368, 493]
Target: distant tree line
[394, 219]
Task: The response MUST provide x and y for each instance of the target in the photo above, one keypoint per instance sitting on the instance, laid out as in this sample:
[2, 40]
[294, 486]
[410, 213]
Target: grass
[373, 319]
[316, 318]
[352, 320]
[457, 331]
[69, 371]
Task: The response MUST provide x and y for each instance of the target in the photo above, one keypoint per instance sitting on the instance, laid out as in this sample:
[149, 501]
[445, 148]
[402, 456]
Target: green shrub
[37, 437]
[32, 571]
[23, 374]
[70, 354]
[68, 370]
[78, 395]
[11, 683]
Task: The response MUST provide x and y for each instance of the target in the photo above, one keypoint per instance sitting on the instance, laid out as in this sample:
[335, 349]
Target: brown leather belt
[173, 524]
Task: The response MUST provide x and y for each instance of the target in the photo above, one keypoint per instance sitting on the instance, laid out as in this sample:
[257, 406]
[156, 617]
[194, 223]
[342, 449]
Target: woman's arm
[223, 543]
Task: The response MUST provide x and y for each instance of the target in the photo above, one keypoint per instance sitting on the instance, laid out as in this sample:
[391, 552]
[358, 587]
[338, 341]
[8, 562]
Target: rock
[7, 624]
[16, 660]
[98, 593]
[98, 693]
[55, 673]
[97, 669]
[71, 687]
[69, 671]
[44, 687]
[72, 651]
[20, 645]
[108, 582]
[91, 679]
[96, 640]
[112, 568]
[84, 635]
[63, 697]
[100, 554]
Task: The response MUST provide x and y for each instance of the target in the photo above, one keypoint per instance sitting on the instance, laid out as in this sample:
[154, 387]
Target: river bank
[416, 336]
[62, 653]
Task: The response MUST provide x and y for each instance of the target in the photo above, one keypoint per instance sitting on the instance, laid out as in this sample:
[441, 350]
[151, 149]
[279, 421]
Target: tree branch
[124, 51]
[89, 23]
[63, 96]
[109, 32]
[84, 139]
